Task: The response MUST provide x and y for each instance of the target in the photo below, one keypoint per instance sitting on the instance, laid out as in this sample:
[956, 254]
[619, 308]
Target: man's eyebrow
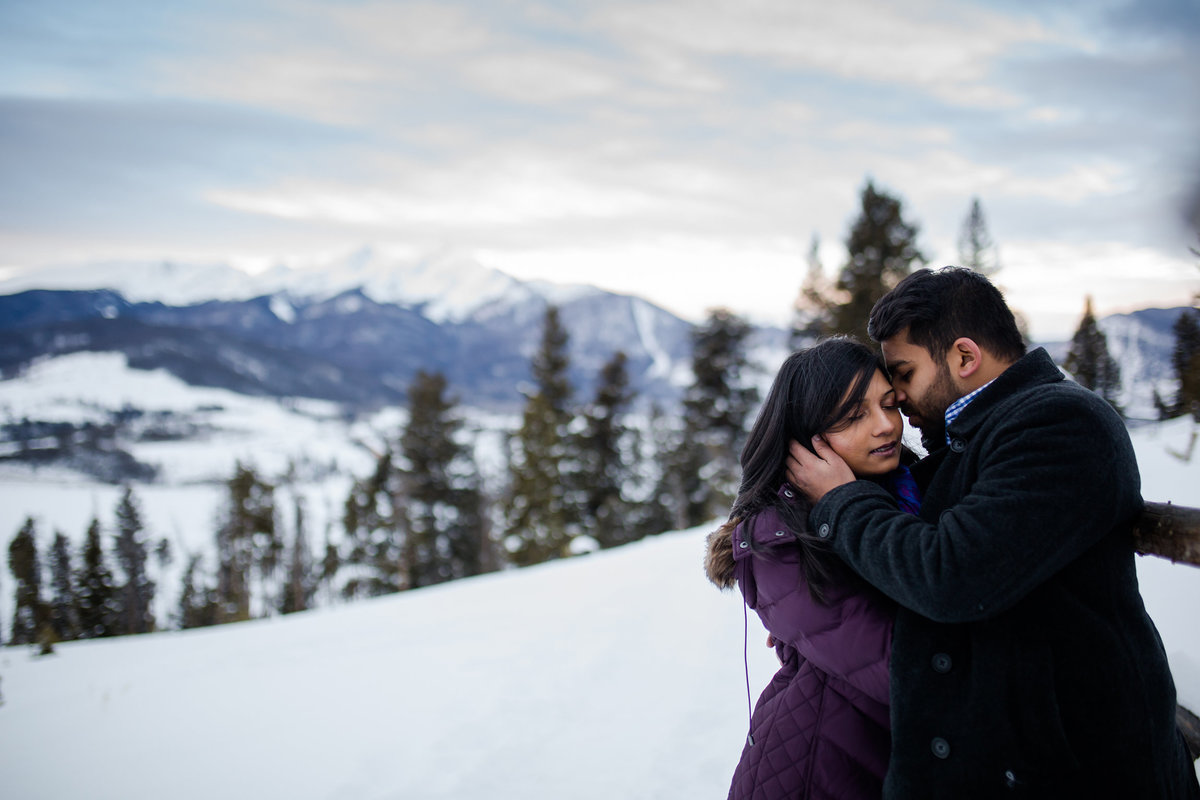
[892, 366]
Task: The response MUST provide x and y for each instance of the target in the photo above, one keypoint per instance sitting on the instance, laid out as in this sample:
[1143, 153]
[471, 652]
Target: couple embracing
[965, 625]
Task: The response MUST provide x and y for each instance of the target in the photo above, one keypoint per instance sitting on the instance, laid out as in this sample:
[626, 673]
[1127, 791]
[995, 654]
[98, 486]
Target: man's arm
[1051, 484]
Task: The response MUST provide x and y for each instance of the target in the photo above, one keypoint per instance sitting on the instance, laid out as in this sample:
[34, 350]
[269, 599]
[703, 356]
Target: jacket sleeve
[1048, 483]
[848, 637]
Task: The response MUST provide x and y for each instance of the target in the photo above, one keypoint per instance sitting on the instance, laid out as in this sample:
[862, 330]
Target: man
[1023, 660]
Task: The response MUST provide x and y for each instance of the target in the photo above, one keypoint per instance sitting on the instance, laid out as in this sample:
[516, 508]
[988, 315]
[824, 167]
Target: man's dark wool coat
[1023, 661]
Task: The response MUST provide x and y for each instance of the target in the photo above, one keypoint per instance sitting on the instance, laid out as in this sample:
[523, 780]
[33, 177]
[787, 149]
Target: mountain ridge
[350, 347]
[355, 328]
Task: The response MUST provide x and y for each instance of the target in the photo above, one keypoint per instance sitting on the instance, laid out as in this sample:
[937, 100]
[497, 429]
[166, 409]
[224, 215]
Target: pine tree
[374, 526]
[64, 603]
[976, 250]
[663, 510]
[301, 583]
[443, 508]
[1185, 364]
[246, 543]
[813, 307]
[31, 614]
[541, 518]
[136, 595]
[97, 612]
[606, 452]
[198, 606]
[331, 564]
[882, 250]
[703, 470]
[1088, 359]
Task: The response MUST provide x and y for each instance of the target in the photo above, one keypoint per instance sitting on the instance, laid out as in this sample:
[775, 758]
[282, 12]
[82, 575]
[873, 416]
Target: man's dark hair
[939, 306]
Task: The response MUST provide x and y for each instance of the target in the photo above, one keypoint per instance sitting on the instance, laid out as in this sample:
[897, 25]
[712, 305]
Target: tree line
[581, 475]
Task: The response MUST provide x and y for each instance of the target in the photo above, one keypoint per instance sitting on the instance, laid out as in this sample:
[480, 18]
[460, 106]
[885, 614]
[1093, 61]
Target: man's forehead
[898, 350]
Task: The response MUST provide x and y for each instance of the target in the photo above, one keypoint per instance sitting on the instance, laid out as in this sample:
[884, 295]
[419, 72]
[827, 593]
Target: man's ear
[964, 357]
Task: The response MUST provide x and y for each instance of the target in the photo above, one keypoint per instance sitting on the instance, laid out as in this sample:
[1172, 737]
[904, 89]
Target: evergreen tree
[331, 564]
[813, 307]
[1088, 359]
[606, 452]
[882, 249]
[703, 471]
[976, 250]
[97, 611]
[31, 614]
[541, 517]
[1185, 364]
[663, 510]
[301, 583]
[198, 606]
[443, 499]
[373, 523]
[135, 597]
[246, 543]
[64, 604]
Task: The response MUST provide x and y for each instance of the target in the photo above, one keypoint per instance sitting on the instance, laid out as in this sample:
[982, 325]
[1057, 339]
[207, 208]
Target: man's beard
[931, 409]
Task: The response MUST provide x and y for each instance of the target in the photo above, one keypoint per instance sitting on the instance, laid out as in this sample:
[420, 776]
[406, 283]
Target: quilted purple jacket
[820, 729]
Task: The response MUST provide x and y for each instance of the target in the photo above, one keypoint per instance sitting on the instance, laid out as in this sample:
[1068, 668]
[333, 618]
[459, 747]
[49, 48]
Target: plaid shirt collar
[958, 405]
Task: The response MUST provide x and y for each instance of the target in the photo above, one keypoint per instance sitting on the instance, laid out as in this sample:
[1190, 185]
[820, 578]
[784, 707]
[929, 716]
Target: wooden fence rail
[1173, 532]
[1169, 531]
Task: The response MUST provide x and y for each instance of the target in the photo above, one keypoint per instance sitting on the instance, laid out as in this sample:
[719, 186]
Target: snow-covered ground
[616, 674]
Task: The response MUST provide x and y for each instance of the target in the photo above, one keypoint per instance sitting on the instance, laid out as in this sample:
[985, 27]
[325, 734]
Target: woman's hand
[816, 475]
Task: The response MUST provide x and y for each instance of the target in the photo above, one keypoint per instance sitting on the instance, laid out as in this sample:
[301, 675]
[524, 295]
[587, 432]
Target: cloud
[945, 49]
[662, 134]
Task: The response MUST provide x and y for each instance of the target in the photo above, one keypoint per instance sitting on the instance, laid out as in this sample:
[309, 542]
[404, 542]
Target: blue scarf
[903, 487]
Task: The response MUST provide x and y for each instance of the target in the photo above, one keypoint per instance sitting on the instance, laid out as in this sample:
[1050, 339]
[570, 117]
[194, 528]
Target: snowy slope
[614, 675]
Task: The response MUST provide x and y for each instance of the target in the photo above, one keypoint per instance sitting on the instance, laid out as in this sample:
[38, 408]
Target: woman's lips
[886, 450]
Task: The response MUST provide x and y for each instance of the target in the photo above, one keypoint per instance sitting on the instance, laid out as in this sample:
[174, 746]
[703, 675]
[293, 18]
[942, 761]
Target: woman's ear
[964, 357]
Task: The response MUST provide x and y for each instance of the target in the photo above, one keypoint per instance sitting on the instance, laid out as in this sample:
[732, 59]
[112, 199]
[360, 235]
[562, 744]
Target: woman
[820, 728]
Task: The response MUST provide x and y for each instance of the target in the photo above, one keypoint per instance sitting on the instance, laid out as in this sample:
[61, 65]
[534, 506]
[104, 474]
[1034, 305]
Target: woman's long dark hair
[809, 397]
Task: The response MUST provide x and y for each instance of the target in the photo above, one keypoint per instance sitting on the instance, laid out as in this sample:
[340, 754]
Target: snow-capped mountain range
[356, 328]
[447, 286]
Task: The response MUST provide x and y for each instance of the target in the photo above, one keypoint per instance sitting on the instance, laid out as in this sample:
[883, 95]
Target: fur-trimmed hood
[718, 556]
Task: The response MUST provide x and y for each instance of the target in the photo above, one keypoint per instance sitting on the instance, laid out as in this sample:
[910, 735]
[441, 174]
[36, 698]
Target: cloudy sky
[684, 150]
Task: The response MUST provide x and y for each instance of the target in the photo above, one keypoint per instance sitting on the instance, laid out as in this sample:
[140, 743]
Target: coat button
[942, 663]
[940, 747]
[823, 531]
[1010, 779]
[788, 493]
[780, 533]
[958, 445]
[744, 545]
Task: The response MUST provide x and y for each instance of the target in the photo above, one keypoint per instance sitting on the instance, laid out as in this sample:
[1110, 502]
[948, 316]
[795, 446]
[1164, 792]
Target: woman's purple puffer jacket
[820, 728]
